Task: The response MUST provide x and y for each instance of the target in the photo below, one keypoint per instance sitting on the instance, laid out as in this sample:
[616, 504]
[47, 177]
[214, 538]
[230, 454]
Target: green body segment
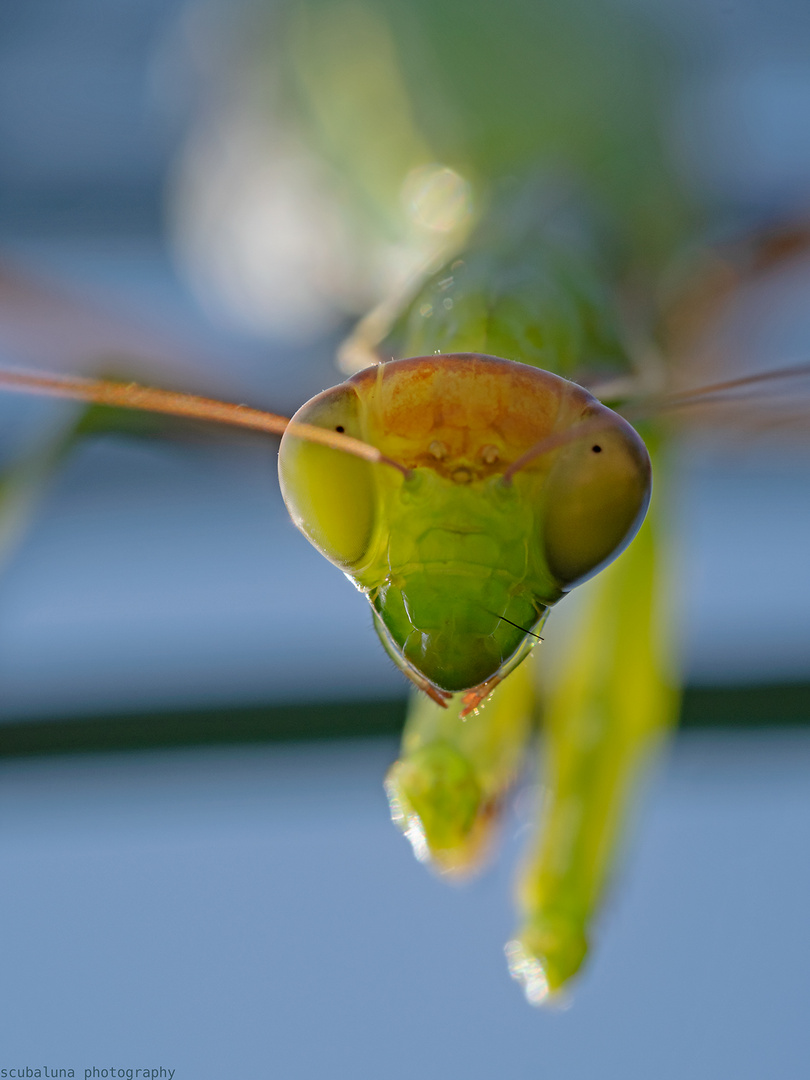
[533, 283]
[459, 565]
[449, 784]
[608, 698]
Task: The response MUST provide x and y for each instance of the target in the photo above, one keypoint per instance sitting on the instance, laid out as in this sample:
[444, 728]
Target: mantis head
[511, 486]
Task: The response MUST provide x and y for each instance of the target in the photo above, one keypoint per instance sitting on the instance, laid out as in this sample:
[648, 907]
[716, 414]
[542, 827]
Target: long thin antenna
[651, 407]
[684, 398]
[149, 399]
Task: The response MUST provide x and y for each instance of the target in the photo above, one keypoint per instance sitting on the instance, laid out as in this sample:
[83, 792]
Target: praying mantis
[506, 486]
[487, 467]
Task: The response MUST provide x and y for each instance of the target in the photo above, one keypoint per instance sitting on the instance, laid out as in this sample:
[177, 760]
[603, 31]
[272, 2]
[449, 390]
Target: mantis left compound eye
[595, 498]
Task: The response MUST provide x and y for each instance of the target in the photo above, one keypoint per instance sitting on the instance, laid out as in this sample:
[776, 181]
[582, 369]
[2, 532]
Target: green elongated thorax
[536, 282]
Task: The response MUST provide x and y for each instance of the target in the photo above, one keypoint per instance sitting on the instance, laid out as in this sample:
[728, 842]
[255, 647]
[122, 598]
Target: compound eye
[331, 495]
[595, 499]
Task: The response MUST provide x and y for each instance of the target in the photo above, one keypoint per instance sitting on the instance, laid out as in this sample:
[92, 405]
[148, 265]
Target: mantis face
[514, 485]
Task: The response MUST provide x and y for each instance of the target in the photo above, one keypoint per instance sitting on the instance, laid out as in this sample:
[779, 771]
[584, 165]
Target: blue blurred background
[248, 909]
